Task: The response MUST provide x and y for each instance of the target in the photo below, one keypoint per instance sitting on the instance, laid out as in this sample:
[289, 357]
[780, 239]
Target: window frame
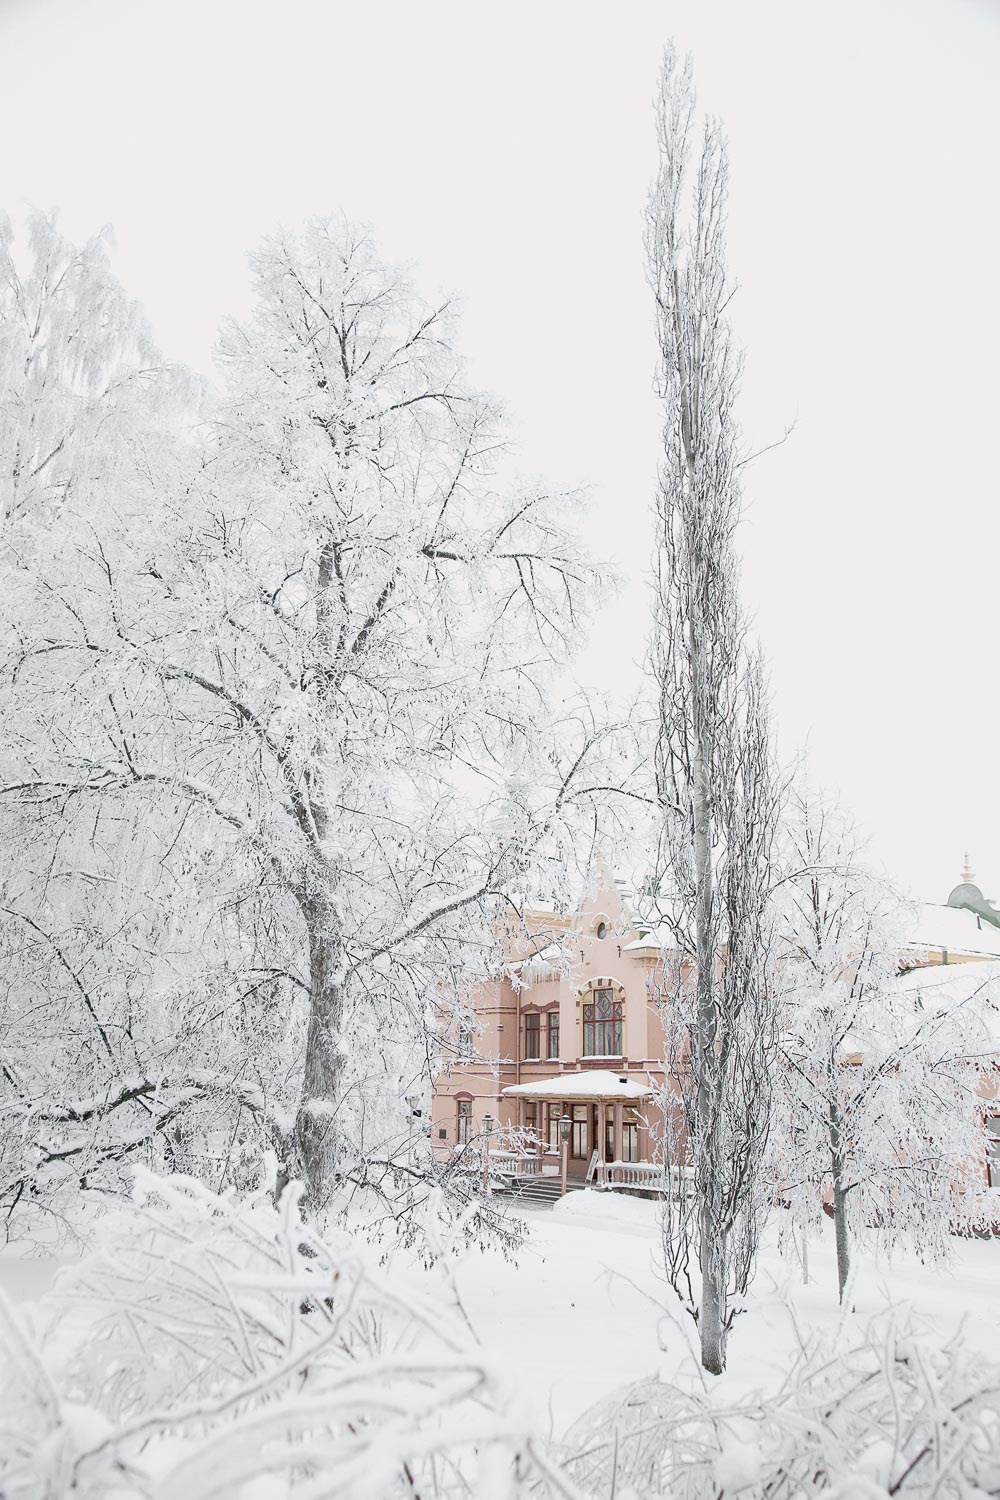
[580, 1132]
[992, 1123]
[598, 1030]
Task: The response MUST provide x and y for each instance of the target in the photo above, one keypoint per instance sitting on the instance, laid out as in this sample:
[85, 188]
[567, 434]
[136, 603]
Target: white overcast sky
[506, 150]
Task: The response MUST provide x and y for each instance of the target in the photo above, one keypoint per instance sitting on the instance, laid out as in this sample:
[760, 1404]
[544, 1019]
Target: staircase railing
[649, 1176]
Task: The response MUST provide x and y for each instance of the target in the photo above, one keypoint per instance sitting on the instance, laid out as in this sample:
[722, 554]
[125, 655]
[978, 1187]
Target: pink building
[572, 1032]
[575, 1035]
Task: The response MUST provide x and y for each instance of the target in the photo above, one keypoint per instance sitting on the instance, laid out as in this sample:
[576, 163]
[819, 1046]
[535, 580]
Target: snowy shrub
[894, 1415]
[211, 1348]
[388, 1196]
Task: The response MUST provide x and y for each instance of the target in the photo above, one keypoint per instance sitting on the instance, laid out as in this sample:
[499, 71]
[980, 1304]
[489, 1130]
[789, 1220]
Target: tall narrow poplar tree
[715, 789]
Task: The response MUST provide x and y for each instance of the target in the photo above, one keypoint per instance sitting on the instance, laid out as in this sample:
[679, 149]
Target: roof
[956, 929]
[552, 953]
[662, 939]
[598, 1083]
[951, 985]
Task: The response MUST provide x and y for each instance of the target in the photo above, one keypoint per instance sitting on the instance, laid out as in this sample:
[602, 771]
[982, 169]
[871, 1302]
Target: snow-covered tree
[715, 790]
[877, 1111]
[308, 662]
[77, 363]
[85, 399]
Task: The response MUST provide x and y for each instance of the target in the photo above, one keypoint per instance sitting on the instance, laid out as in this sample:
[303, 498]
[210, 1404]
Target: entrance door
[630, 1137]
[580, 1136]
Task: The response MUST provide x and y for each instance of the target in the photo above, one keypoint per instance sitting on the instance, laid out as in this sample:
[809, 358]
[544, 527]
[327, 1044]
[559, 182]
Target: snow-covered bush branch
[209, 1348]
[891, 1413]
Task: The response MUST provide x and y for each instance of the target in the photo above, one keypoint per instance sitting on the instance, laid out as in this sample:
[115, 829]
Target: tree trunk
[839, 1200]
[712, 1315]
[318, 1130]
[317, 1126]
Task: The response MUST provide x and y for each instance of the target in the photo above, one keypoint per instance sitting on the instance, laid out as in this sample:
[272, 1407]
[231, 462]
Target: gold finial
[967, 875]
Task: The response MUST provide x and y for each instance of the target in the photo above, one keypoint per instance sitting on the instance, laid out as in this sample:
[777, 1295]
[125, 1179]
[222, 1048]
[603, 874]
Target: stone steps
[545, 1190]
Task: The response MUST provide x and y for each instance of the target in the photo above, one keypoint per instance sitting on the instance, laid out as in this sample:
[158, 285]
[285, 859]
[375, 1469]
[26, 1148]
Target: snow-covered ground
[586, 1308]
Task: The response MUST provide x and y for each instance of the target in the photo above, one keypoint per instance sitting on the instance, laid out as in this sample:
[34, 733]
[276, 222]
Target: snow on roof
[976, 985]
[956, 929]
[599, 1084]
[550, 954]
[658, 939]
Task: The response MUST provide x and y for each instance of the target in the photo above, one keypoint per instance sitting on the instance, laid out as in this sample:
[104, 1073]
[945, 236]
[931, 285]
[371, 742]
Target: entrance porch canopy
[582, 1088]
[602, 1099]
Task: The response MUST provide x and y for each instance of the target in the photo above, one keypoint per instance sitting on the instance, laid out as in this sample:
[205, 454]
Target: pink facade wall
[502, 1010]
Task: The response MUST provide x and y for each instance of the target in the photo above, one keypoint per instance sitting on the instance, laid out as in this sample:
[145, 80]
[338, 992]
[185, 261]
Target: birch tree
[76, 359]
[879, 1116]
[714, 786]
[313, 653]
[83, 393]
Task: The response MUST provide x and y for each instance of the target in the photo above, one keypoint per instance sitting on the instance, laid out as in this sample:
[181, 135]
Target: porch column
[601, 1122]
[619, 1112]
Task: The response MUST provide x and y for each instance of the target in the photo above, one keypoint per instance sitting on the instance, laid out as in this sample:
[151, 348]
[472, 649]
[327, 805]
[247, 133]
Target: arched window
[602, 1025]
[464, 1123]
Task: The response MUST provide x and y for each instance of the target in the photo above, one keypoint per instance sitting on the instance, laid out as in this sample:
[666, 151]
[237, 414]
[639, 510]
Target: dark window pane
[602, 1026]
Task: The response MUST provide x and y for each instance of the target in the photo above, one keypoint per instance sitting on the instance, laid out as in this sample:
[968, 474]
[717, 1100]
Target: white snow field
[582, 1312]
[586, 1308]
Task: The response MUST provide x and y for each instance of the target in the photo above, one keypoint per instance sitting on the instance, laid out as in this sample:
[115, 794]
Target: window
[555, 1115]
[579, 1147]
[464, 1121]
[530, 1116]
[630, 1136]
[602, 930]
[602, 1025]
[993, 1151]
[553, 1029]
[466, 1042]
[532, 1035]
